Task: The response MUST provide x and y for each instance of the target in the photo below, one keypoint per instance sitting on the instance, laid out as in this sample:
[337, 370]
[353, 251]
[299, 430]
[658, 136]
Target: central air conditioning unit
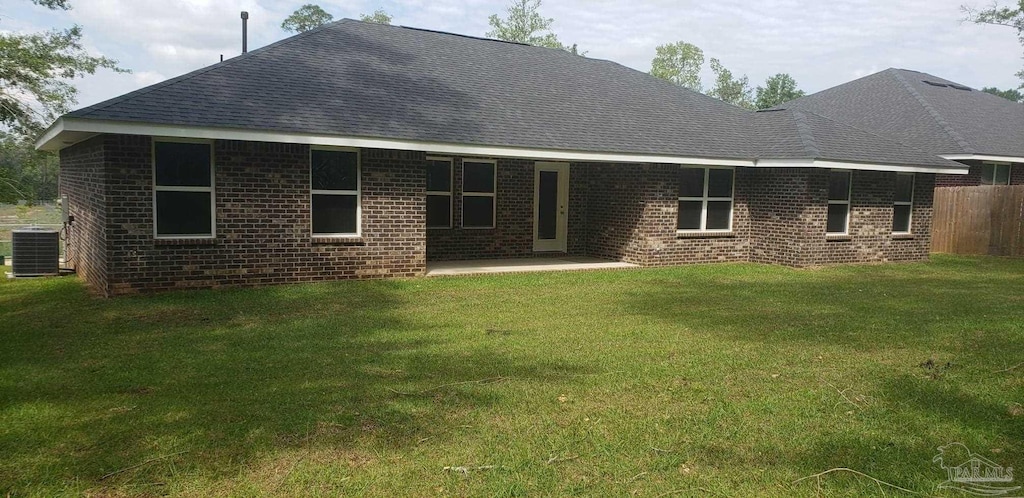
[35, 252]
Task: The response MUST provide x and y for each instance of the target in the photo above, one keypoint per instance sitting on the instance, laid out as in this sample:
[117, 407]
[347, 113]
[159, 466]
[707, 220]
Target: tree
[735, 91]
[35, 70]
[378, 17]
[777, 89]
[524, 24]
[1011, 94]
[26, 173]
[679, 63]
[997, 15]
[305, 18]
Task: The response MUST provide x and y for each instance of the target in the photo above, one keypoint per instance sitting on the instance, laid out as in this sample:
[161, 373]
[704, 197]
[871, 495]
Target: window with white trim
[995, 173]
[183, 205]
[705, 199]
[439, 193]
[840, 188]
[479, 184]
[335, 197]
[903, 203]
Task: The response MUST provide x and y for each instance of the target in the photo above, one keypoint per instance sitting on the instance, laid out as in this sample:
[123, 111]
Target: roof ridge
[805, 133]
[203, 70]
[963, 143]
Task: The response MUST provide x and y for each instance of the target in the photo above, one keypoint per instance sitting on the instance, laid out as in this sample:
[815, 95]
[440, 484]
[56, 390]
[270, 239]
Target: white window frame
[910, 204]
[493, 194]
[172, 188]
[705, 200]
[848, 202]
[995, 168]
[358, 193]
[450, 192]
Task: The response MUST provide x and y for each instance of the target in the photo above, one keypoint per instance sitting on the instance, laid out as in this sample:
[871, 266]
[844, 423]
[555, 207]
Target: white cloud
[820, 43]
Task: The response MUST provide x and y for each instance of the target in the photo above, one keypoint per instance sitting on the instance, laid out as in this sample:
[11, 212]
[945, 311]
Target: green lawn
[731, 380]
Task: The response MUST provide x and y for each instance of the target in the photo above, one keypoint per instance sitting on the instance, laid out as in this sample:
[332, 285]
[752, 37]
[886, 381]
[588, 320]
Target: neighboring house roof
[924, 111]
[384, 84]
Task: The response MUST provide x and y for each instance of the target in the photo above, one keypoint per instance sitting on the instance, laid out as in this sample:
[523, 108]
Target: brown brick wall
[512, 236]
[83, 180]
[632, 215]
[262, 221]
[617, 211]
[870, 233]
[780, 228]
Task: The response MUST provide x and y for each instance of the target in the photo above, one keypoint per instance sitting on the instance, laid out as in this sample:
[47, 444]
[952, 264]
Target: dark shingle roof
[358, 79]
[923, 111]
[792, 134]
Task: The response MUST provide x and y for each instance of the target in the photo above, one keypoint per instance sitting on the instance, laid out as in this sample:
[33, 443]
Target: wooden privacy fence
[979, 220]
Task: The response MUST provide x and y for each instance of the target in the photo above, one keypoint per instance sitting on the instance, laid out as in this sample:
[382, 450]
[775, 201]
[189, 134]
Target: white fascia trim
[49, 142]
[48, 136]
[983, 157]
[812, 163]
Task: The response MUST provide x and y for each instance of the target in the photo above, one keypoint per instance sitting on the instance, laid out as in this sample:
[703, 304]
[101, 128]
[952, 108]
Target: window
[840, 185]
[439, 193]
[183, 189]
[903, 203]
[334, 176]
[995, 174]
[705, 199]
[479, 182]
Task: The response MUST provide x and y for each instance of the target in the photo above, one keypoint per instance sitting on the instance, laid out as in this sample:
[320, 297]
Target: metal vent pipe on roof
[245, 31]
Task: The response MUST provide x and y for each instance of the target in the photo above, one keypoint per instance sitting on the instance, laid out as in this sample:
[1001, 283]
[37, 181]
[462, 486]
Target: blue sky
[821, 44]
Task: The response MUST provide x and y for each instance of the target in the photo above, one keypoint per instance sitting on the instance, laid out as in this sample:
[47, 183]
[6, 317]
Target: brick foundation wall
[83, 180]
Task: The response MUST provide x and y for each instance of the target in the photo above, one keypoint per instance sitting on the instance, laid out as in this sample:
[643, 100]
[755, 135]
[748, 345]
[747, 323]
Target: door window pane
[547, 206]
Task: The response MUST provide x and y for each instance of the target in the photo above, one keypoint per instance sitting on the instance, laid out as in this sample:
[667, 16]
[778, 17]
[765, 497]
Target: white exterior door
[550, 207]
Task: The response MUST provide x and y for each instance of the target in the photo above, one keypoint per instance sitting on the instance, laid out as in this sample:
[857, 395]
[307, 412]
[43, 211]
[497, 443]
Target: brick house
[357, 150]
[954, 121]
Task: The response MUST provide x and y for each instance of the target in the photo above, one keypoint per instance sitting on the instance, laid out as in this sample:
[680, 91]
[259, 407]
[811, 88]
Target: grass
[694, 381]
